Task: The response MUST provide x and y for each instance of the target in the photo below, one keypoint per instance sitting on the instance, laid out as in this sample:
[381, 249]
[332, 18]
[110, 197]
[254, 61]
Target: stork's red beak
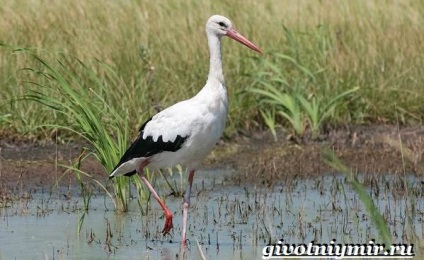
[233, 34]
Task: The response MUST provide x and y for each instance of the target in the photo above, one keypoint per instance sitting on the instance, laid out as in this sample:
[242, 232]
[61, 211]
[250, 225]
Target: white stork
[186, 132]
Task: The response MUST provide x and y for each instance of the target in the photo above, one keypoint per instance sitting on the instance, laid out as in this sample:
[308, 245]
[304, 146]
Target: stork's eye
[222, 24]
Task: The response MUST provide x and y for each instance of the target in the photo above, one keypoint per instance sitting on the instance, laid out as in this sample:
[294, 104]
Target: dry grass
[160, 46]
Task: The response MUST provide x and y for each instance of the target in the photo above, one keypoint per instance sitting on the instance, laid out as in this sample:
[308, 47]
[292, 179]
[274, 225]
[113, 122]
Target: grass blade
[370, 207]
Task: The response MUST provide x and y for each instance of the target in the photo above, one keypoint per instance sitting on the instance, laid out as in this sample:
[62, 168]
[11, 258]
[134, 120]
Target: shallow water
[229, 221]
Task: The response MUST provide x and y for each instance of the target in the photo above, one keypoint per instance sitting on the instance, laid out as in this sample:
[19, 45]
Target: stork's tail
[116, 173]
[128, 168]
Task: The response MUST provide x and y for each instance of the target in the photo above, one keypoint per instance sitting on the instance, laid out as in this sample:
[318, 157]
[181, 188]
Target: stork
[186, 132]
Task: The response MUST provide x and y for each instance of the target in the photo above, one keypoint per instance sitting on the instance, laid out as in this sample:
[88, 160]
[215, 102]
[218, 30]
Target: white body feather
[202, 121]
[201, 118]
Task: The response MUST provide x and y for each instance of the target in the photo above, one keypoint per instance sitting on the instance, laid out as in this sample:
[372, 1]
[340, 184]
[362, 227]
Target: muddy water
[228, 221]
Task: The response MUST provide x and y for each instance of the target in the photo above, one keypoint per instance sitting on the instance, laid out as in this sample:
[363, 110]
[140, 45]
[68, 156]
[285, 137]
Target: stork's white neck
[215, 68]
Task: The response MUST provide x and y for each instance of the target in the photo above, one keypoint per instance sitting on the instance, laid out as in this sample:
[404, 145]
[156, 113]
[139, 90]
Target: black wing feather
[148, 147]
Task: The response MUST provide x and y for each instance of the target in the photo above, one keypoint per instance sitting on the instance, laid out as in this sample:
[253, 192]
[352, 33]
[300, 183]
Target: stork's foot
[168, 223]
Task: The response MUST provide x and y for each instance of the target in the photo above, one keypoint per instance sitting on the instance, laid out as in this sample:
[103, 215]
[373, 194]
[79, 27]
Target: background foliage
[156, 52]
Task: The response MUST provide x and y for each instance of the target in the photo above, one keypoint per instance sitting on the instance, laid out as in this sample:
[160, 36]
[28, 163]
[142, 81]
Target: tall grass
[376, 46]
[84, 106]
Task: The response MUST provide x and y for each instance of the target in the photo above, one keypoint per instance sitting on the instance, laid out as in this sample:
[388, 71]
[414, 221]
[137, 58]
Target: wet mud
[254, 158]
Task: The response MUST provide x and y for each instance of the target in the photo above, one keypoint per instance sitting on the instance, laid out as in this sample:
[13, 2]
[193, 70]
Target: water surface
[229, 221]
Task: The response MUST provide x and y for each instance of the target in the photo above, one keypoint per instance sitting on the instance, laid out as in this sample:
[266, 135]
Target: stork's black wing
[147, 147]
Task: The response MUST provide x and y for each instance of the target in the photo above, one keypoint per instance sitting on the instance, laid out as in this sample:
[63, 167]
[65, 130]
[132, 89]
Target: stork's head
[222, 26]
[218, 25]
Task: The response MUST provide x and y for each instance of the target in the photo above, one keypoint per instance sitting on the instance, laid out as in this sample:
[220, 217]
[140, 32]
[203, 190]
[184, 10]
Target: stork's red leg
[168, 215]
[186, 206]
